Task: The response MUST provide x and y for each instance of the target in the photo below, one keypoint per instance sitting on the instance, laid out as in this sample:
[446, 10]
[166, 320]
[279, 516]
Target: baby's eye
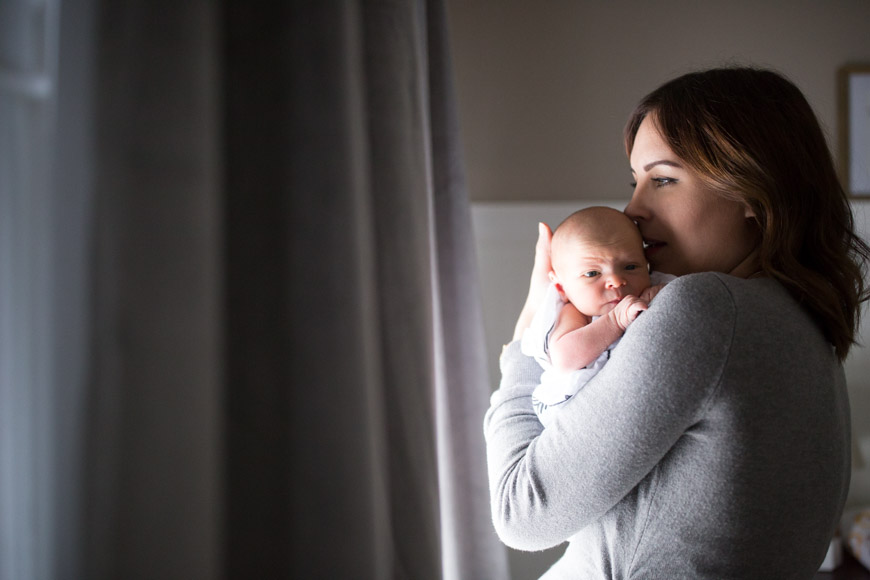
[631, 267]
[590, 274]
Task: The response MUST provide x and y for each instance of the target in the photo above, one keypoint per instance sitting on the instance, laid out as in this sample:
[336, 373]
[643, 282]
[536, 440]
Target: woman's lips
[651, 247]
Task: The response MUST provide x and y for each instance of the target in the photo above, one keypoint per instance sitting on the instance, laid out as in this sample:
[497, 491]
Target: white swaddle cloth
[556, 387]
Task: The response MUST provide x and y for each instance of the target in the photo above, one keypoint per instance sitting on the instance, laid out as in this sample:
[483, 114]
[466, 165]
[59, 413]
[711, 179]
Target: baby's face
[596, 276]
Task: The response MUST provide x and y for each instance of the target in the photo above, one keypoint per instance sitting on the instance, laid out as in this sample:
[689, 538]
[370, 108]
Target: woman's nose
[636, 208]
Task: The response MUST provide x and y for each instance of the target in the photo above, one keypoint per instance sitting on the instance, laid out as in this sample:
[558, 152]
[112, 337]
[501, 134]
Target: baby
[600, 284]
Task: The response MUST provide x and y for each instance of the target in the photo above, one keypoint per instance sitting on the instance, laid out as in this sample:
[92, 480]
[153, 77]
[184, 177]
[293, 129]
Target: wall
[544, 87]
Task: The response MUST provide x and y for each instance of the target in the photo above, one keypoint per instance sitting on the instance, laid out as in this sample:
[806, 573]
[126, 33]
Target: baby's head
[597, 259]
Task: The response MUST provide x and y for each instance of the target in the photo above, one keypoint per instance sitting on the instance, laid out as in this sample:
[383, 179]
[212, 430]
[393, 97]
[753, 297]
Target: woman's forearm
[525, 318]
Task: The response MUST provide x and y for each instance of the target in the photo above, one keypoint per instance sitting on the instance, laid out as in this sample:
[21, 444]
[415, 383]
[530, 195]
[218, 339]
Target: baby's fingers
[628, 309]
[651, 292]
[636, 307]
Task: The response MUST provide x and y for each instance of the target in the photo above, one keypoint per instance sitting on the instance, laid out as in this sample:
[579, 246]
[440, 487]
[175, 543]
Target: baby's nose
[615, 281]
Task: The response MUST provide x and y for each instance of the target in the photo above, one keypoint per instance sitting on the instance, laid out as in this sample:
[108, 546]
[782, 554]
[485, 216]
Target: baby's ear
[555, 280]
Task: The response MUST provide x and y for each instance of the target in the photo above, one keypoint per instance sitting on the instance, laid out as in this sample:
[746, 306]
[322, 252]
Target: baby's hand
[627, 310]
[650, 293]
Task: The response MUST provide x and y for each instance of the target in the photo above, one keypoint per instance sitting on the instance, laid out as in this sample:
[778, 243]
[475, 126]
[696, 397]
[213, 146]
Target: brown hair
[752, 136]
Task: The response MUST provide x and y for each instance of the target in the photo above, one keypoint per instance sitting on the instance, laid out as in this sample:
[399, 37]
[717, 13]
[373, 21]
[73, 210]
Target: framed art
[854, 113]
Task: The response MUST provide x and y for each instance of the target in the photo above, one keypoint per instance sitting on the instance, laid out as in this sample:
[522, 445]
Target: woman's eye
[663, 181]
[657, 181]
[631, 267]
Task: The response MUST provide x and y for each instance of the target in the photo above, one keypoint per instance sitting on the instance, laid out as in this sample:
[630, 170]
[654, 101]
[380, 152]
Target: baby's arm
[575, 342]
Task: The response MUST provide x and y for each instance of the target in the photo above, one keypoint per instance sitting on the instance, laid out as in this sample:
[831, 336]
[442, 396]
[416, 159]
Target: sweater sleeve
[547, 484]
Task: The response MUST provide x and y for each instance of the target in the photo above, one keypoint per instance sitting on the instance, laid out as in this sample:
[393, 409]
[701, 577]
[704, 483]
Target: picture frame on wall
[854, 129]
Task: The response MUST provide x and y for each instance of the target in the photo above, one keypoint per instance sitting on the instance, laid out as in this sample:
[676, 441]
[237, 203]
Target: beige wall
[545, 86]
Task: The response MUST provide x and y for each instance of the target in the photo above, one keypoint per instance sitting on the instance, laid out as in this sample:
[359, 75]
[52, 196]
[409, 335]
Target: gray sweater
[713, 445]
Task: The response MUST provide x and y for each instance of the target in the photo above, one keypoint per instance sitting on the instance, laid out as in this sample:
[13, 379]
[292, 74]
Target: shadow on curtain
[284, 361]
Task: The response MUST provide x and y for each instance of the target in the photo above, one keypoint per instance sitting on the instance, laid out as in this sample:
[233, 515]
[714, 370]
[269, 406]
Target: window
[28, 35]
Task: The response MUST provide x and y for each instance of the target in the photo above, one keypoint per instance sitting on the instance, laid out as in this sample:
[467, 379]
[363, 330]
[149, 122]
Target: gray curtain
[263, 338]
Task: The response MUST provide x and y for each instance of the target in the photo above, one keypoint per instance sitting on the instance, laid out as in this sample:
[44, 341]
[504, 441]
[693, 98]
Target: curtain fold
[153, 496]
[468, 545]
[288, 375]
[308, 484]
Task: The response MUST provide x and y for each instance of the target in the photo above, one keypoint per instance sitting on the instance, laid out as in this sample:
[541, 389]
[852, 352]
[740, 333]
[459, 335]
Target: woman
[715, 442]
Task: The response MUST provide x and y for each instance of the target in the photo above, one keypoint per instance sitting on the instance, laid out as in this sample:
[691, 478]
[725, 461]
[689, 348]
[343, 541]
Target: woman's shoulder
[700, 280]
[714, 295]
[704, 289]
[691, 309]
[705, 285]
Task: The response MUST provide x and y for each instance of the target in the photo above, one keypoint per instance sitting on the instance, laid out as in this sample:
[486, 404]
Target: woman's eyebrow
[649, 166]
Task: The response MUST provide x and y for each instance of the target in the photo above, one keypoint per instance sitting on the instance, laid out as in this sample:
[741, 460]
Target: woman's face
[686, 226]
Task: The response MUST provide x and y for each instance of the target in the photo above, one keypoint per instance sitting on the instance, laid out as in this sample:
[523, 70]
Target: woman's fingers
[539, 280]
[541, 270]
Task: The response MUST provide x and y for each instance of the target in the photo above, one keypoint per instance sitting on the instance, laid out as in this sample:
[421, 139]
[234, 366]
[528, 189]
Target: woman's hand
[539, 281]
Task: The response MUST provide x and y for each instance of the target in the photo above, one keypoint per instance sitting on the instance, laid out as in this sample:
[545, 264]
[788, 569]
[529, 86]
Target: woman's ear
[748, 212]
